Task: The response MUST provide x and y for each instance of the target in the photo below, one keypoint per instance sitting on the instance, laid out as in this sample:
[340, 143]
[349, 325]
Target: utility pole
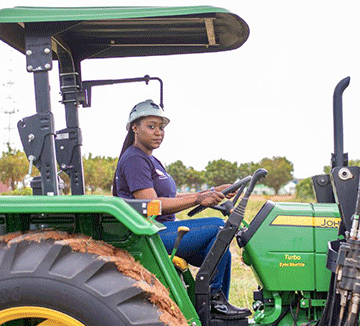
[8, 110]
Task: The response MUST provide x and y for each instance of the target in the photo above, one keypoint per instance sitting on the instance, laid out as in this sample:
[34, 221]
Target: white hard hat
[146, 109]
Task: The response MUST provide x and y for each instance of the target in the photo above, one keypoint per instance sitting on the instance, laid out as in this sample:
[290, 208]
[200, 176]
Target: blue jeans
[196, 244]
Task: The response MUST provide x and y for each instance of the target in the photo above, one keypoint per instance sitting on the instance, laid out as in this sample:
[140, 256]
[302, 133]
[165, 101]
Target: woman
[140, 175]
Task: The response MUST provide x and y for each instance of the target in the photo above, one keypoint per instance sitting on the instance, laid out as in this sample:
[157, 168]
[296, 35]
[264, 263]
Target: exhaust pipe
[339, 158]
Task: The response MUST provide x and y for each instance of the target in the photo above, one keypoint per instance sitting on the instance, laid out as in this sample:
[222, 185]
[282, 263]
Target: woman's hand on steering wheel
[209, 198]
[227, 190]
[223, 187]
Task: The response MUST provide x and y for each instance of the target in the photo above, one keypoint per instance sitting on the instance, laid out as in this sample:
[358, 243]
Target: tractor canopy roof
[108, 32]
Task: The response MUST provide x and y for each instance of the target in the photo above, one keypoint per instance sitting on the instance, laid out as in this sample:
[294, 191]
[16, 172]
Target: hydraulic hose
[351, 320]
[328, 311]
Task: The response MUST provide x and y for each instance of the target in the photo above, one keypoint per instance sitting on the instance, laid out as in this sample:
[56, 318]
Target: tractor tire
[52, 277]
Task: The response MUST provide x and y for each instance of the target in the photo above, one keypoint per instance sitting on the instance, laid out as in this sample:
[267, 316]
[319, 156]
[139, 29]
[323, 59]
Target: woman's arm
[174, 205]
[218, 188]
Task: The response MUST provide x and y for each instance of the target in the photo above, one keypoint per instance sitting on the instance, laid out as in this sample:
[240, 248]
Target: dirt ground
[273, 198]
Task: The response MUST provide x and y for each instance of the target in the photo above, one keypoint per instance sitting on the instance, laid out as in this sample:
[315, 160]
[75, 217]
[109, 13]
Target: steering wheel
[226, 207]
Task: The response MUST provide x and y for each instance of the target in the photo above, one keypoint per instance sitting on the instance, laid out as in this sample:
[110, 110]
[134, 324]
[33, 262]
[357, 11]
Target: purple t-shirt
[136, 170]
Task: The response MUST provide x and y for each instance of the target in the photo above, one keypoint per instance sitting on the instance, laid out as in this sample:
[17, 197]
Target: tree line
[221, 171]
[99, 172]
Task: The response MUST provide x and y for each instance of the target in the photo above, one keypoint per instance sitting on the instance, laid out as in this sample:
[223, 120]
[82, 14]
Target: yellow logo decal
[306, 221]
[292, 261]
[291, 264]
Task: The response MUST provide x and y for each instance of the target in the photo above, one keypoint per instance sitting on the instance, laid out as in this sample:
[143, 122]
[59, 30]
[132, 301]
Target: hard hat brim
[165, 119]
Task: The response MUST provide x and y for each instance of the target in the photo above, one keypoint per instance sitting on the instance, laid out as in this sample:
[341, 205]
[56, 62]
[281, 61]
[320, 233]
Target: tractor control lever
[237, 215]
[257, 176]
[182, 230]
[238, 194]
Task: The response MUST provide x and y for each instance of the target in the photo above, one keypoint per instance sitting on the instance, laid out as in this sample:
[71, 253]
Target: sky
[271, 97]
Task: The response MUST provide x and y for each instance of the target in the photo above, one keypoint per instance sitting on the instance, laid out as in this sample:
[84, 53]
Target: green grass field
[243, 282]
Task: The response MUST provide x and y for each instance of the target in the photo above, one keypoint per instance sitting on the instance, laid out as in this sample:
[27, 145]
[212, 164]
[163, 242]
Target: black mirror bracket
[85, 94]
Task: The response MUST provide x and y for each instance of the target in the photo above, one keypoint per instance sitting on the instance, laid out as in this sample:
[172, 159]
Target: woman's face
[149, 132]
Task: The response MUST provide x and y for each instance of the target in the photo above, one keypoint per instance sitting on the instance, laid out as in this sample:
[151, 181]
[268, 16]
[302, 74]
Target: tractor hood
[109, 32]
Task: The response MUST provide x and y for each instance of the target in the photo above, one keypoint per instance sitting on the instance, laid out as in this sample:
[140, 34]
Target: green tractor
[85, 260]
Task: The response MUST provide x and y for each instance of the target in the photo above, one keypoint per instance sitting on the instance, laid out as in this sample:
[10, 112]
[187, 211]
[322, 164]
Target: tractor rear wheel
[51, 278]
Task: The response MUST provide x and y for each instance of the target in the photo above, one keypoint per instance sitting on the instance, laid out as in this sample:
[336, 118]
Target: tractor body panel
[288, 251]
[286, 246]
